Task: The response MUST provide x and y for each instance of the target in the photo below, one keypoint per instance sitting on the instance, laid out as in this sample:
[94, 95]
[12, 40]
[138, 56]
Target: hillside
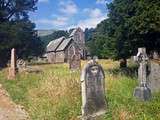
[52, 36]
[42, 33]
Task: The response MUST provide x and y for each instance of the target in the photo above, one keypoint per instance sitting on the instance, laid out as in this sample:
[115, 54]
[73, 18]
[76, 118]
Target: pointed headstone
[75, 62]
[12, 69]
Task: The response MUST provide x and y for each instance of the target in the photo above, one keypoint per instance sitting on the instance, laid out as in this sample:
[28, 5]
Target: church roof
[64, 44]
[54, 44]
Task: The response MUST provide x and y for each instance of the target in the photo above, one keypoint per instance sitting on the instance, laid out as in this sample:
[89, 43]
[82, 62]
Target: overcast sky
[65, 14]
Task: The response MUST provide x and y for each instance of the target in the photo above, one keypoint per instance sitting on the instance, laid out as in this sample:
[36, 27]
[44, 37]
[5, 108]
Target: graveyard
[55, 93]
[79, 59]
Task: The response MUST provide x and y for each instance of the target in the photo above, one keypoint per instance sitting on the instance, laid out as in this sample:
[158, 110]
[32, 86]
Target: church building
[62, 49]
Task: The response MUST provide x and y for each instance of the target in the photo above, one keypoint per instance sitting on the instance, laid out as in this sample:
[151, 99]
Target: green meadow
[55, 94]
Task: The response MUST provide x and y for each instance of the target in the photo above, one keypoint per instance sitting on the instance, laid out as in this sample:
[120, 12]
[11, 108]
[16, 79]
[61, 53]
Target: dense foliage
[130, 24]
[16, 30]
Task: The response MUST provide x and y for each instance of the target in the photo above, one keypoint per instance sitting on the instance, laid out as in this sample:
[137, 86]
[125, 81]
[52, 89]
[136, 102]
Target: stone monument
[155, 55]
[75, 62]
[12, 69]
[142, 92]
[93, 91]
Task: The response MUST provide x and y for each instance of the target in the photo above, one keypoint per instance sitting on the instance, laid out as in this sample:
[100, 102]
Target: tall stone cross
[12, 69]
[142, 92]
[93, 90]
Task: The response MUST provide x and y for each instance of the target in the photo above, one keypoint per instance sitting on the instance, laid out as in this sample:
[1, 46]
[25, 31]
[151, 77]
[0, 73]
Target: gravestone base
[12, 74]
[142, 93]
[94, 116]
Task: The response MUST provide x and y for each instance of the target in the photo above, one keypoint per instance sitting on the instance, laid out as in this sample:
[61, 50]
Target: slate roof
[64, 44]
[54, 44]
[61, 43]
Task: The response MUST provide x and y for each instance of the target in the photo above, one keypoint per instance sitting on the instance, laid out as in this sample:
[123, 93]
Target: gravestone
[93, 91]
[21, 65]
[89, 58]
[155, 55]
[142, 92]
[154, 76]
[75, 62]
[12, 69]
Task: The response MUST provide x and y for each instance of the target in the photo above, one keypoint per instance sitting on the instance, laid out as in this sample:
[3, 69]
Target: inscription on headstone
[12, 69]
[93, 91]
[142, 92]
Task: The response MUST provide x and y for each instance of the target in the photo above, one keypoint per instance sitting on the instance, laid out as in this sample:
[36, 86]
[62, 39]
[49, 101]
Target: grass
[54, 94]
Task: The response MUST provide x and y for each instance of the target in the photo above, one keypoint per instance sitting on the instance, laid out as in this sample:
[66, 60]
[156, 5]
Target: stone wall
[51, 57]
[154, 76]
[60, 57]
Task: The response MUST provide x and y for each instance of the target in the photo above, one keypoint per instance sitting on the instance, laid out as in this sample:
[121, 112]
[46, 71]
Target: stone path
[9, 110]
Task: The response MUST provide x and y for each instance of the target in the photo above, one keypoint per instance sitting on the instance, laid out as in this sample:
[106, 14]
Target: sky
[66, 14]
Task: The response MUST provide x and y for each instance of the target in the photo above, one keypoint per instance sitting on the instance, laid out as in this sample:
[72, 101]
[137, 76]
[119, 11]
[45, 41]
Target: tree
[130, 24]
[100, 44]
[135, 23]
[16, 9]
[16, 30]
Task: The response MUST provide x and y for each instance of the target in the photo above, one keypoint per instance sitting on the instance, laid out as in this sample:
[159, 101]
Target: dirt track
[9, 110]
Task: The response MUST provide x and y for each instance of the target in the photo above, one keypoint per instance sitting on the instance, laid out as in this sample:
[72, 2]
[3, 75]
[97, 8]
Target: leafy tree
[88, 33]
[135, 23]
[16, 30]
[16, 9]
[100, 43]
[130, 24]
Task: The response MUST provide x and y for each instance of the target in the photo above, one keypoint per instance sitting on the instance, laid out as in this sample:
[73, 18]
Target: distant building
[62, 49]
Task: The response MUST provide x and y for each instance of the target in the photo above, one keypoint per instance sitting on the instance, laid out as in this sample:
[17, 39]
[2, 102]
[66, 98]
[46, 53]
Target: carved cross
[142, 59]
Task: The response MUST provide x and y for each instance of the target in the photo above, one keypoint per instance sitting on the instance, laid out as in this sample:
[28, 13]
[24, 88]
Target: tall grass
[55, 94]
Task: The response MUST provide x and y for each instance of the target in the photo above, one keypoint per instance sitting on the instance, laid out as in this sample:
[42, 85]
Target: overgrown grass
[55, 94]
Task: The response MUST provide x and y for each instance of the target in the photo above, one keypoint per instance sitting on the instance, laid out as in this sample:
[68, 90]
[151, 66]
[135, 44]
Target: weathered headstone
[142, 92]
[155, 55]
[12, 69]
[93, 91]
[89, 58]
[154, 76]
[21, 65]
[75, 62]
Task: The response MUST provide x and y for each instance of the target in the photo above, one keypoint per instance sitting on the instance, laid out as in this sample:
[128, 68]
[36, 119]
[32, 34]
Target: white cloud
[95, 17]
[90, 23]
[59, 21]
[68, 7]
[44, 1]
[94, 13]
